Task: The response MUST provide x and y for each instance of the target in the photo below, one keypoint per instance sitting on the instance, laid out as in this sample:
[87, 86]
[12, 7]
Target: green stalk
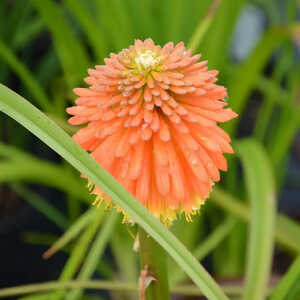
[153, 262]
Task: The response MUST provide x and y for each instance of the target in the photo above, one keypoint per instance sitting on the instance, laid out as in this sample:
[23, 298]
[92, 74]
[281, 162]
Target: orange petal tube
[151, 115]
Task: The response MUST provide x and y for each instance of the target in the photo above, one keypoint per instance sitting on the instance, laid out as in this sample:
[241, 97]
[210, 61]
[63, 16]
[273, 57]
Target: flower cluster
[152, 115]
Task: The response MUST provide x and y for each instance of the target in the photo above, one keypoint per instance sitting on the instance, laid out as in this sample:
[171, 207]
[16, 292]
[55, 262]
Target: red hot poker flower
[152, 117]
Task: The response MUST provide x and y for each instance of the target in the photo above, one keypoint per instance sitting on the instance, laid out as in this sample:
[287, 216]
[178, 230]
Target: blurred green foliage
[45, 49]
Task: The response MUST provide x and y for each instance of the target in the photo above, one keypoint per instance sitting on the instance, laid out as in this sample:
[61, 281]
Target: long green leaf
[13, 154]
[215, 238]
[28, 79]
[144, 17]
[119, 29]
[36, 201]
[249, 70]
[287, 231]
[286, 283]
[78, 252]
[47, 239]
[22, 111]
[207, 245]
[271, 95]
[288, 124]
[203, 25]
[174, 19]
[72, 54]
[261, 189]
[92, 30]
[42, 239]
[216, 41]
[72, 232]
[54, 176]
[26, 34]
[21, 166]
[188, 290]
[94, 256]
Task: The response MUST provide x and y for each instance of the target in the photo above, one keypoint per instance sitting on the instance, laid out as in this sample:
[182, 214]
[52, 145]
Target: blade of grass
[175, 20]
[72, 54]
[25, 34]
[26, 76]
[47, 69]
[92, 30]
[73, 207]
[188, 290]
[84, 220]
[206, 246]
[119, 30]
[213, 240]
[282, 289]
[46, 239]
[38, 296]
[250, 69]
[37, 238]
[216, 41]
[203, 25]
[52, 175]
[145, 16]
[31, 118]
[79, 251]
[16, 18]
[94, 256]
[12, 153]
[287, 126]
[287, 232]
[264, 84]
[36, 201]
[23, 166]
[46, 297]
[123, 16]
[270, 95]
[260, 184]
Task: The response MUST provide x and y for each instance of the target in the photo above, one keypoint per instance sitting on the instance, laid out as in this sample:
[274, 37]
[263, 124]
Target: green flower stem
[153, 262]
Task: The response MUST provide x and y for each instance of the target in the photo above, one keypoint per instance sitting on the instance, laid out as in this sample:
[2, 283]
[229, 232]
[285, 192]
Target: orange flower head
[152, 115]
